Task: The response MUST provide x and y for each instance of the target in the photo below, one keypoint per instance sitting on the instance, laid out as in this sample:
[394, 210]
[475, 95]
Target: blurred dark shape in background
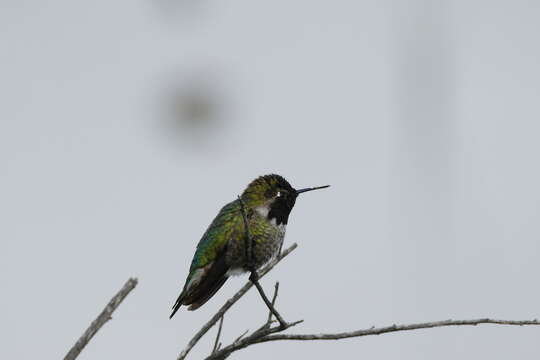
[180, 10]
[194, 108]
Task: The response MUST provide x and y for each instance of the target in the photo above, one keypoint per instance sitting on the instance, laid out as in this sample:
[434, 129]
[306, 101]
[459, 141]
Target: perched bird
[267, 202]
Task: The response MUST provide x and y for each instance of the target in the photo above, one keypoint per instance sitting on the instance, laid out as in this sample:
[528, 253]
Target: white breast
[235, 272]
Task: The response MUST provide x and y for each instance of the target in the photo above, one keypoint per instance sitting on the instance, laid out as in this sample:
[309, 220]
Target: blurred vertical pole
[422, 185]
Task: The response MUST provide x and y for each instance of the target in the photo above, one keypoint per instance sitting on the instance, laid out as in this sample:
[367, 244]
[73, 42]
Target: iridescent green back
[213, 242]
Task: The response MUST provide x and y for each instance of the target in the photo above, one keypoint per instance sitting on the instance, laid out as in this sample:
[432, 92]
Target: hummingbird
[266, 203]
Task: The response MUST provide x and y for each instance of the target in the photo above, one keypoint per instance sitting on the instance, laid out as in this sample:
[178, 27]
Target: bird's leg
[254, 275]
[252, 268]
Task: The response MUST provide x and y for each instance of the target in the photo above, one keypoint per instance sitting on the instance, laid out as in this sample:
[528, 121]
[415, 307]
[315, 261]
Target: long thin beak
[310, 189]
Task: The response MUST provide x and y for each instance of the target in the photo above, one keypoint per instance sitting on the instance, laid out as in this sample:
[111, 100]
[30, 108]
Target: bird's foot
[254, 276]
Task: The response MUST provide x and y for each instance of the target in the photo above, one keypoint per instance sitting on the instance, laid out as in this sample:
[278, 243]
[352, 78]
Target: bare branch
[216, 344]
[240, 337]
[269, 334]
[102, 318]
[269, 321]
[252, 339]
[394, 328]
[276, 289]
[255, 281]
[229, 303]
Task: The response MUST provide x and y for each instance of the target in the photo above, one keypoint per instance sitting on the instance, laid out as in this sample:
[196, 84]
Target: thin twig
[253, 338]
[254, 277]
[276, 289]
[282, 322]
[270, 333]
[394, 328]
[216, 344]
[240, 337]
[102, 318]
[231, 302]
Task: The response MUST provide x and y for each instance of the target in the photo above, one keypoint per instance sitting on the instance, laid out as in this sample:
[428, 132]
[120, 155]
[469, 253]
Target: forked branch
[229, 303]
[271, 334]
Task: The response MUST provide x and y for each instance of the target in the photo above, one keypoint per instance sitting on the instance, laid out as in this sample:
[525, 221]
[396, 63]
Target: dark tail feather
[206, 295]
[211, 282]
[177, 304]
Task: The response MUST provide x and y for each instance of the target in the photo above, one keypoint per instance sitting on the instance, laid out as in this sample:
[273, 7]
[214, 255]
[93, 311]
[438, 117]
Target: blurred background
[126, 125]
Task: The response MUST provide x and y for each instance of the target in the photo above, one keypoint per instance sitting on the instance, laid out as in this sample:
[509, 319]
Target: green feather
[215, 238]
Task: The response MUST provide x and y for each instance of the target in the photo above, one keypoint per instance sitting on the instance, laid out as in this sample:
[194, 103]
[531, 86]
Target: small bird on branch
[228, 247]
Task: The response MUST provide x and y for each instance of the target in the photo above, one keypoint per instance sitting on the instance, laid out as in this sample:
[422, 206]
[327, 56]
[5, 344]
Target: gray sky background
[423, 115]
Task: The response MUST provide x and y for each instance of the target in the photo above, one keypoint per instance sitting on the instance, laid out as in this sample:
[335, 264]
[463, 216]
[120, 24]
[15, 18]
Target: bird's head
[273, 197]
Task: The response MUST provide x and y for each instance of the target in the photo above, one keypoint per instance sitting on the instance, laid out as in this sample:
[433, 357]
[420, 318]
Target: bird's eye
[278, 194]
